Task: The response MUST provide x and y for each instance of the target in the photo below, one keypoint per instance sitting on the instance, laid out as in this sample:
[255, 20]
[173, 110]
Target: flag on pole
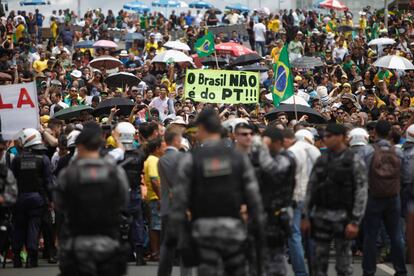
[283, 86]
[205, 45]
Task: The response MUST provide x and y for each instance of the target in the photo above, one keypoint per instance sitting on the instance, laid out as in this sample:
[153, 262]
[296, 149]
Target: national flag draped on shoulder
[283, 86]
[205, 45]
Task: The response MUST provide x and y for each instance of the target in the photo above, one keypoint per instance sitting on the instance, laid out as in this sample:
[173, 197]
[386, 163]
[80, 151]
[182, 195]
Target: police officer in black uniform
[276, 187]
[133, 165]
[90, 193]
[33, 173]
[214, 181]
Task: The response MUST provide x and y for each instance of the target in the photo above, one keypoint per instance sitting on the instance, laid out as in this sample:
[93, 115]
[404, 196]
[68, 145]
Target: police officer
[133, 165]
[214, 181]
[8, 196]
[335, 201]
[32, 170]
[358, 142]
[277, 185]
[91, 192]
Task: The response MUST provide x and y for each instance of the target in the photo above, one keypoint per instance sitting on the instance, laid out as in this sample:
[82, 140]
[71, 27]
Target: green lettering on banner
[222, 86]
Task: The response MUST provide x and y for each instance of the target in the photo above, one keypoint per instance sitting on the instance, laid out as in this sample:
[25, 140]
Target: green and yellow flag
[205, 45]
[283, 86]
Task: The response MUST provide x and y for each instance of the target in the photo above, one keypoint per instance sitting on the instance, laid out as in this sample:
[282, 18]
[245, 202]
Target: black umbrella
[246, 59]
[289, 109]
[306, 62]
[255, 68]
[121, 79]
[211, 61]
[72, 112]
[124, 105]
[344, 29]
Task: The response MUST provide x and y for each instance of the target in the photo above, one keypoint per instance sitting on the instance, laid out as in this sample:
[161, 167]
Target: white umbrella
[298, 100]
[171, 56]
[177, 45]
[394, 62]
[382, 41]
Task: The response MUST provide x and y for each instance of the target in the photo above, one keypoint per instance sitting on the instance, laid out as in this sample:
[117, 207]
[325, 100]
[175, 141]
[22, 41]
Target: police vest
[217, 188]
[277, 190]
[133, 165]
[30, 173]
[93, 193]
[335, 189]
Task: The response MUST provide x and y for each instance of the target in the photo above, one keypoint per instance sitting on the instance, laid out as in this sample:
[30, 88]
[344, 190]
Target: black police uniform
[32, 170]
[91, 194]
[133, 165]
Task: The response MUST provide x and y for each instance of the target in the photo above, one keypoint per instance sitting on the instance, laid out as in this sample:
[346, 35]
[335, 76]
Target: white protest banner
[18, 108]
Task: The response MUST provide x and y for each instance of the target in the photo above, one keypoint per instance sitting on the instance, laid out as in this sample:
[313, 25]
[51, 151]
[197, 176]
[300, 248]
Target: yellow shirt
[53, 29]
[19, 31]
[151, 172]
[150, 45]
[274, 25]
[39, 65]
[275, 53]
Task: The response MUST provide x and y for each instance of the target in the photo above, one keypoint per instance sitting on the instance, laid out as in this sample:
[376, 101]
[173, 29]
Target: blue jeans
[295, 243]
[137, 224]
[261, 45]
[388, 211]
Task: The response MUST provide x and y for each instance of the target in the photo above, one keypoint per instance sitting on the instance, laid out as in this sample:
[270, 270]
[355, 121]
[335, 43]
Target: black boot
[32, 259]
[17, 260]
[139, 251]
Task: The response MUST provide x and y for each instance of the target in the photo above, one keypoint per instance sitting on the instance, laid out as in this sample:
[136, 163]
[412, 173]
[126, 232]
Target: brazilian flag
[205, 45]
[283, 86]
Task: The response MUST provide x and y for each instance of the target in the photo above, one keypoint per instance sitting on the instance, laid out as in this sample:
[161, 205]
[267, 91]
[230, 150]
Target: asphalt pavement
[151, 270]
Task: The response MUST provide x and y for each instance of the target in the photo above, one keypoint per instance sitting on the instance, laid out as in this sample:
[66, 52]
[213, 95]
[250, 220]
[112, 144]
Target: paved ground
[151, 270]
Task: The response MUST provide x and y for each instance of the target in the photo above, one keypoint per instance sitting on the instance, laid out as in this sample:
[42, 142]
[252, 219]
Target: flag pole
[215, 55]
[294, 106]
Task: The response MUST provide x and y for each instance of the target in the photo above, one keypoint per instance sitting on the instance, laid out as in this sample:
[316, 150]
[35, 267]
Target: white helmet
[72, 138]
[358, 137]
[305, 136]
[29, 137]
[410, 134]
[126, 132]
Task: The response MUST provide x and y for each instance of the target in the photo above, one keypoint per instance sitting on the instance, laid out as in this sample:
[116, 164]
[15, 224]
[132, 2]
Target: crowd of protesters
[348, 90]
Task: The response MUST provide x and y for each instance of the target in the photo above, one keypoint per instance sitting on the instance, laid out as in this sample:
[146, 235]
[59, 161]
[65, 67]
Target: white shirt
[233, 18]
[340, 52]
[305, 156]
[198, 19]
[161, 106]
[259, 32]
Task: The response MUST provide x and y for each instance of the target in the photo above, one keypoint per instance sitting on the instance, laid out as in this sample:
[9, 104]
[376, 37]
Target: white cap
[76, 74]
[358, 137]
[410, 134]
[305, 136]
[179, 121]
[73, 135]
[123, 53]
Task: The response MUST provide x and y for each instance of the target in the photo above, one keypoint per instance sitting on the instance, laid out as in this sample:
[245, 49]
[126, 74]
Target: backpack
[384, 174]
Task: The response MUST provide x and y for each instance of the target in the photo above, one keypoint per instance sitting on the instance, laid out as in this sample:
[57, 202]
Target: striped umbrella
[333, 4]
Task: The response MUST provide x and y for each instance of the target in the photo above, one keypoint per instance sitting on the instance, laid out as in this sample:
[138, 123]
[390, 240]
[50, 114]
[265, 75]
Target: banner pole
[294, 106]
[215, 55]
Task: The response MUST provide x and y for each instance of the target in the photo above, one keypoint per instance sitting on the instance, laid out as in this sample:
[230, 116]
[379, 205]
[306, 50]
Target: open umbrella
[171, 56]
[306, 62]
[382, 41]
[239, 7]
[34, 2]
[200, 5]
[334, 5]
[295, 100]
[136, 6]
[177, 45]
[106, 62]
[130, 37]
[232, 48]
[254, 68]
[246, 59]
[394, 62]
[211, 61]
[105, 44]
[124, 105]
[169, 4]
[289, 109]
[84, 44]
[72, 112]
[121, 79]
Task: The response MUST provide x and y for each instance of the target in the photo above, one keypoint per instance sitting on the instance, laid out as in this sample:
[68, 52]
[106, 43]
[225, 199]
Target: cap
[44, 119]
[56, 83]
[76, 74]
[298, 78]
[179, 121]
[336, 129]
[344, 76]
[123, 53]
[346, 84]
[299, 33]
